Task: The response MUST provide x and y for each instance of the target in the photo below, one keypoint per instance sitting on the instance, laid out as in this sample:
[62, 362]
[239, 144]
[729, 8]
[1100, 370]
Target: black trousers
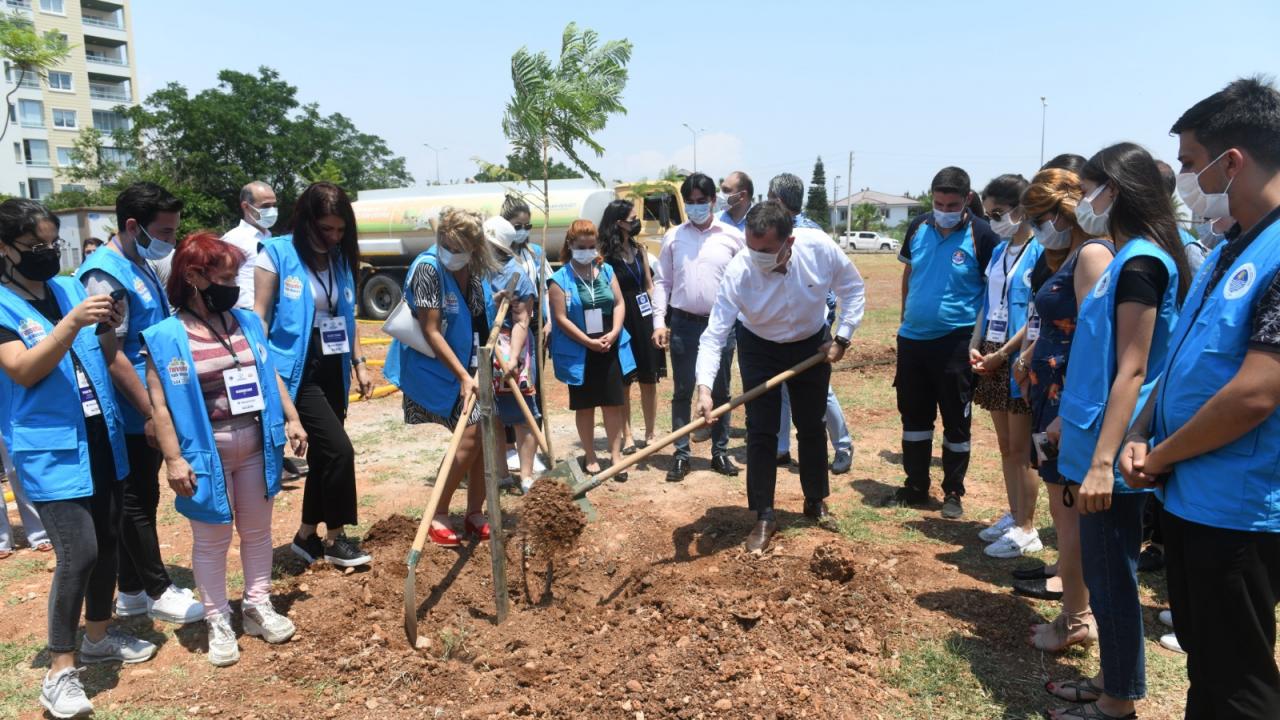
[329, 496]
[759, 360]
[934, 375]
[686, 333]
[141, 564]
[84, 536]
[1223, 588]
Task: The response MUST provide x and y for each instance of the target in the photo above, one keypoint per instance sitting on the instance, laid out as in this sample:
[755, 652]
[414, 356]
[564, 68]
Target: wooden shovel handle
[528, 417]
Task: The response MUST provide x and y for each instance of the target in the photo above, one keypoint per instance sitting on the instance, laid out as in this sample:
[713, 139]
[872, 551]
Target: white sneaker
[997, 529]
[1014, 544]
[1166, 618]
[513, 461]
[223, 649]
[116, 646]
[131, 604]
[263, 621]
[63, 695]
[526, 485]
[176, 605]
[1170, 642]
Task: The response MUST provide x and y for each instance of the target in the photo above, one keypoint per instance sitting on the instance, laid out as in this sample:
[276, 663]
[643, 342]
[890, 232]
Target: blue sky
[909, 86]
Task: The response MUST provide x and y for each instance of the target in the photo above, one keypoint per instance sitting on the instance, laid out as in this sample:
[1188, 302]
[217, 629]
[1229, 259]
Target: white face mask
[1050, 237]
[947, 220]
[157, 250]
[1201, 203]
[699, 213]
[522, 237]
[766, 262]
[584, 256]
[266, 216]
[1006, 226]
[453, 261]
[1096, 224]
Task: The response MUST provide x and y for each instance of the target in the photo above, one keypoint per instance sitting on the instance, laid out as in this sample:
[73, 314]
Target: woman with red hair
[222, 416]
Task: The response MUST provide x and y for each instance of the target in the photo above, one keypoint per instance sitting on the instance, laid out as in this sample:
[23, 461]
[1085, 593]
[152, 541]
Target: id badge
[88, 398]
[595, 321]
[243, 390]
[333, 336]
[646, 308]
[998, 325]
[475, 351]
[1033, 328]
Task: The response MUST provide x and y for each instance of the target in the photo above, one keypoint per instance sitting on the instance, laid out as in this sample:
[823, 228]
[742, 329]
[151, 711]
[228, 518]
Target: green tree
[866, 217]
[816, 207]
[560, 106]
[28, 53]
[525, 164]
[671, 173]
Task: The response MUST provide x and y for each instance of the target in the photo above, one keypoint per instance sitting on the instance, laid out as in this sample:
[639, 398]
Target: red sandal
[481, 529]
[443, 537]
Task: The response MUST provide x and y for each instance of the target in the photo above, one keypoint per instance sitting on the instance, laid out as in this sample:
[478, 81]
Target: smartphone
[1046, 450]
[116, 297]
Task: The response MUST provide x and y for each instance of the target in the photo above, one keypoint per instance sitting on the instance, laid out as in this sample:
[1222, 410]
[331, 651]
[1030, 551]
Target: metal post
[1044, 110]
[835, 196]
[497, 543]
[695, 144]
[437, 152]
[849, 182]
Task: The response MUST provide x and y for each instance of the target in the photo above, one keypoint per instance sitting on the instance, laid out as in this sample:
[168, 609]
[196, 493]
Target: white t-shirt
[247, 239]
[324, 289]
[997, 277]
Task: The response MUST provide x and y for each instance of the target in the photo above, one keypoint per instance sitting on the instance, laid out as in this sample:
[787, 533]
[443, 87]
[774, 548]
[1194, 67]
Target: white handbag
[403, 326]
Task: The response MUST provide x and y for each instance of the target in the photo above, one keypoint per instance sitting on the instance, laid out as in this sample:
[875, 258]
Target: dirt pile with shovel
[550, 519]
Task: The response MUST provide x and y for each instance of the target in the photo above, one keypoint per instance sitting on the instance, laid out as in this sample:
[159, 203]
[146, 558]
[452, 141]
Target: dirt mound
[830, 562]
[550, 518]
[391, 530]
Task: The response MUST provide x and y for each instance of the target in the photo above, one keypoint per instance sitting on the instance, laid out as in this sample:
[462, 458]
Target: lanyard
[591, 286]
[329, 288]
[1008, 271]
[638, 272]
[224, 342]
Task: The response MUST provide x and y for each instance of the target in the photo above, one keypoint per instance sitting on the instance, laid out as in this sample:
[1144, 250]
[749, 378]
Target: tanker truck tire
[379, 296]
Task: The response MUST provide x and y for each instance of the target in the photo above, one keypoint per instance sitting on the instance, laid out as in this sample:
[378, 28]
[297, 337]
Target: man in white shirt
[258, 214]
[692, 262]
[779, 288]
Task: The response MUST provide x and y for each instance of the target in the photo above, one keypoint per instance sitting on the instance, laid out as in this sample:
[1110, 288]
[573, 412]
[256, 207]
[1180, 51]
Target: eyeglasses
[997, 214]
[526, 226]
[57, 244]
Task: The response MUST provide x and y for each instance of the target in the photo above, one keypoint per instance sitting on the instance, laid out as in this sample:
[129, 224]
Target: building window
[17, 153]
[53, 6]
[40, 188]
[60, 81]
[114, 156]
[37, 152]
[109, 121]
[64, 157]
[73, 188]
[31, 113]
[22, 188]
[65, 119]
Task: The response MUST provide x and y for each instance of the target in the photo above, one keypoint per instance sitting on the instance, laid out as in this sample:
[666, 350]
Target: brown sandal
[1082, 690]
[1061, 631]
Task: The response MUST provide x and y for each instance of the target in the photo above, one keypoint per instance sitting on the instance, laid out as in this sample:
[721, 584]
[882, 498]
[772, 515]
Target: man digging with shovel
[779, 287]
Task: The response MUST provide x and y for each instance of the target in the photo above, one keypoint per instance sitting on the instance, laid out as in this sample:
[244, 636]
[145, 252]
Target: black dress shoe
[906, 497]
[760, 535]
[818, 512]
[1038, 589]
[1151, 559]
[842, 462]
[785, 459]
[723, 464]
[679, 468]
[1038, 572]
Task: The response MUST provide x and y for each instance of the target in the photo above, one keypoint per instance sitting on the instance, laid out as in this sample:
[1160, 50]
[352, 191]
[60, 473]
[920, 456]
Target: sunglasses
[526, 226]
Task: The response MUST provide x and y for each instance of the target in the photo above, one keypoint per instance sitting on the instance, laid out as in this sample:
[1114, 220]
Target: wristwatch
[842, 341]
[360, 360]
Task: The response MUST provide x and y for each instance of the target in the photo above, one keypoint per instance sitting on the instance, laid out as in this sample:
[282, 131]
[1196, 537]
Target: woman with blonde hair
[447, 291]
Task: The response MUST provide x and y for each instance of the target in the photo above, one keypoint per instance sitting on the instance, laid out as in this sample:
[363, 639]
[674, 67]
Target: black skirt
[651, 363]
[602, 382]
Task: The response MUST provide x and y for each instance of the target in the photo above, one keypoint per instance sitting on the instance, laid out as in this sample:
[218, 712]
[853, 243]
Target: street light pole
[695, 143]
[437, 152]
[1044, 109]
[835, 195]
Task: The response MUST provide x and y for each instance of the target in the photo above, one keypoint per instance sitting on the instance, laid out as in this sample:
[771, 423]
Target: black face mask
[220, 298]
[39, 265]
[633, 229]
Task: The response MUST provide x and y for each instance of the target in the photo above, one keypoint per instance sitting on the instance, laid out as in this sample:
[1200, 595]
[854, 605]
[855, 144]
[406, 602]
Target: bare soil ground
[653, 611]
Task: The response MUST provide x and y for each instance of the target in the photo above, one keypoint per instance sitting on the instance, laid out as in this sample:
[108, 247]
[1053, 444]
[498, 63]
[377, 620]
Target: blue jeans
[686, 331]
[1110, 542]
[837, 428]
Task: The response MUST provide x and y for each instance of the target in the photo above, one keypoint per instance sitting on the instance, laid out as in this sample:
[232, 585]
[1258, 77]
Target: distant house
[894, 209]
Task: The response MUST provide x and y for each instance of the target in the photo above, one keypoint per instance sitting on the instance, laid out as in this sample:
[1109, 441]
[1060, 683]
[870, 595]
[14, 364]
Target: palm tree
[28, 53]
[558, 107]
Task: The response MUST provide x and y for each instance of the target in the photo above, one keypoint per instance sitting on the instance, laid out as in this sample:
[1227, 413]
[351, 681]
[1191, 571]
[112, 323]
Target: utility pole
[849, 179]
[835, 196]
[1044, 110]
[695, 143]
[437, 152]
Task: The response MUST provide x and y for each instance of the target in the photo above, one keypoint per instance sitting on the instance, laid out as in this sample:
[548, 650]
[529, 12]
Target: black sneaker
[344, 552]
[952, 509]
[906, 497]
[309, 549]
[1151, 559]
[784, 460]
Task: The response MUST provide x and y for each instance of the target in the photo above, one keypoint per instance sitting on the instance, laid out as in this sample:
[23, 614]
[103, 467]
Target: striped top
[211, 358]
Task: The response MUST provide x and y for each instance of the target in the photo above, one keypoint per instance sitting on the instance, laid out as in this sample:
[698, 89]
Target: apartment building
[85, 90]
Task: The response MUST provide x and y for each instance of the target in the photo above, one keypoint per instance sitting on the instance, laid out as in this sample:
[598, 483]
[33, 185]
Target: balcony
[116, 93]
[38, 163]
[29, 79]
[106, 59]
[18, 4]
[37, 123]
[97, 22]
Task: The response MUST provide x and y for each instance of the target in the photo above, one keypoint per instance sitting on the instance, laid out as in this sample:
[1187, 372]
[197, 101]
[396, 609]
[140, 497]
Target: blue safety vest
[1018, 296]
[946, 285]
[1092, 369]
[43, 425]
[1236, 486]
[568, 355]
[148, 305]
[294, 312]
[426, 380]
[170, 349]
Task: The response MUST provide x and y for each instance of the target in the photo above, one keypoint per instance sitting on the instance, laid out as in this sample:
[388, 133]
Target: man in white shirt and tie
[258, 214]
[779, 287]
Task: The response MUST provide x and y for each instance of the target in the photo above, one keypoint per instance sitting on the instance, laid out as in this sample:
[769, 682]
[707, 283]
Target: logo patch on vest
[292, 287]
[1240, 282]
[1104, 284]
[179, 372]
[31, 331]
[142, 290]
[451, 304]
[958, 257]
[351, 297]
[1026, 277]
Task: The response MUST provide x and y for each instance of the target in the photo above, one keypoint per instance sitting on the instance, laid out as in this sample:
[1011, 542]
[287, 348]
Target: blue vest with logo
[1237, 486]
[43, 425]
[148, 305]
[170, 349]
[946, 285]
[568, 355]
[1018, 296]
[1093, 367]
[426, 380]
[294, 312]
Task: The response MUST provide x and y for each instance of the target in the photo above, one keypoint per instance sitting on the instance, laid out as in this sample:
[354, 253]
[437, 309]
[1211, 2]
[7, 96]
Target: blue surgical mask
[947, 220]
[156, 250]
[522, 237]
[699, 213]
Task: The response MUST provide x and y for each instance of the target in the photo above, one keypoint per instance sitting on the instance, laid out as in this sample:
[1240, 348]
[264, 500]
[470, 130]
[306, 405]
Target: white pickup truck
[867, 240]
